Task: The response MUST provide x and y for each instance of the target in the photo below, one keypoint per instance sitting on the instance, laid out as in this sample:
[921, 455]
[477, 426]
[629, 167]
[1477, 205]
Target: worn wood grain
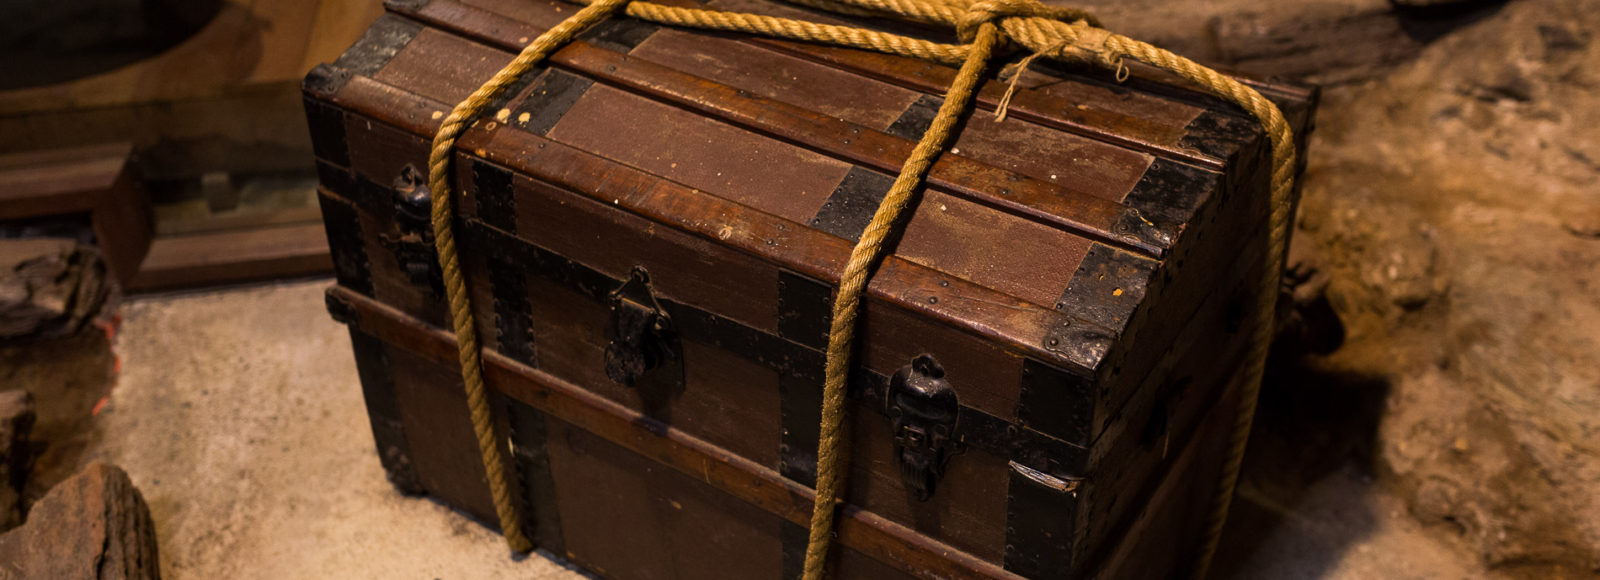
[234, 256]
[731, 474]
[1078, 298]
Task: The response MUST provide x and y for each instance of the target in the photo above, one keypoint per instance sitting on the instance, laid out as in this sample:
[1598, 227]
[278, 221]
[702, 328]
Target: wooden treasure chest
[652, 226]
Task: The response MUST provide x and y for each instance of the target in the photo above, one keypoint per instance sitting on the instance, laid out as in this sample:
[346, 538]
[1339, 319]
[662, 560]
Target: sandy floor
[239, 416]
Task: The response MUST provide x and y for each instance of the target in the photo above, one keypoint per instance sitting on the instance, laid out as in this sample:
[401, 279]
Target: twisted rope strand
[853, 283]
[1063, 34]
[1282, 183]
[444, 240]
[802, 30]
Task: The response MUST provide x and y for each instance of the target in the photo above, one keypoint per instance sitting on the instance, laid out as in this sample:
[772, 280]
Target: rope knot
[993, 11]
[1058, 32]
[1090, 44]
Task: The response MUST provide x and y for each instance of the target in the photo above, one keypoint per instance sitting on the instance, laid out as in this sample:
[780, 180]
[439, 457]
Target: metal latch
[924, 409]
[412, 244]
[641, 332]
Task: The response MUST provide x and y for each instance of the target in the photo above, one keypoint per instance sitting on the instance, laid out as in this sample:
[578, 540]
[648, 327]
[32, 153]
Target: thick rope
[444, 240]
[853, 283]
[1282, 183]
[791, 29]
[1062, 34]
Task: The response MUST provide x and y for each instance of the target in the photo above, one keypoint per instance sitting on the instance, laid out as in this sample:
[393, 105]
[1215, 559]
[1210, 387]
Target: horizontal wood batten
[965, 307]
[1060, 206]
[758, 485]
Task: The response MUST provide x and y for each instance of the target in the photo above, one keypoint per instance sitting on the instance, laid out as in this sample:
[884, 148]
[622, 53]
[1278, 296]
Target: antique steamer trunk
[1078, 275]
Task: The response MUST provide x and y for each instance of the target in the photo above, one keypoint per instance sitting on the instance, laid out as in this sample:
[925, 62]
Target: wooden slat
[899, 283]
[97, 180]
[58, 181]
[1058, 205]
[756, 484]
[234, 256]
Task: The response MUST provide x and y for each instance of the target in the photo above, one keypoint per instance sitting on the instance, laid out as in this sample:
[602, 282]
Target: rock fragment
[93, 526]
[16, 453]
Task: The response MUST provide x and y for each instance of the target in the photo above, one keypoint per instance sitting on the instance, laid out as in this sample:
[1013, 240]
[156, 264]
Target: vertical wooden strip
[1039, 528]
[794, 538]
[439, 433]
[387, 35]
[531, 456]
[1040, 519]
[1056, 403]
[327, 132]
[513, 312]
[497, 206]
[801, 407]
[338, 180]
[805, 308]
[383, 409]
[629, 517]
[345, 242]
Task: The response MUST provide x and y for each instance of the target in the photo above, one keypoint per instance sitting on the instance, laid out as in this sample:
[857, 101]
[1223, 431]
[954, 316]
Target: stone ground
[238, 414]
